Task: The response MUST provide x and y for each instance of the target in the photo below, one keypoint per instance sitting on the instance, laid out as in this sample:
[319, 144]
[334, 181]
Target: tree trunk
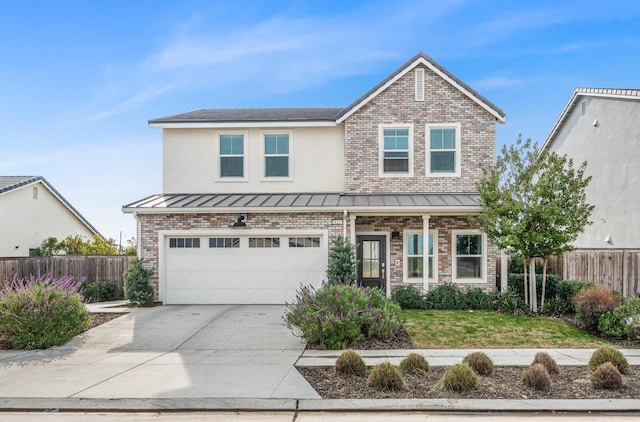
[533, 294]
[544, 283]
[524, 281]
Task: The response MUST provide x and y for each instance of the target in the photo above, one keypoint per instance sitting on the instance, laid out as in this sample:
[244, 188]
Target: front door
[372, 266]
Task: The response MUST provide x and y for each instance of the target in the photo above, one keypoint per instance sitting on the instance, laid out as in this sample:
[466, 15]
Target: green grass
[491, 330]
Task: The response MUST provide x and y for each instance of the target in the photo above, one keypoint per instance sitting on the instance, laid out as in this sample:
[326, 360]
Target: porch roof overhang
[382, 204]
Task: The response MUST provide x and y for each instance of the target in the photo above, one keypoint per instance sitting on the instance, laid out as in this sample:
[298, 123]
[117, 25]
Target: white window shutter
[419, 84]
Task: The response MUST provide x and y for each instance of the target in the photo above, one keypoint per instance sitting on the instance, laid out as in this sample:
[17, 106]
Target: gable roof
[423, 59]
[316, 116]
[10, 183]
[627, 94]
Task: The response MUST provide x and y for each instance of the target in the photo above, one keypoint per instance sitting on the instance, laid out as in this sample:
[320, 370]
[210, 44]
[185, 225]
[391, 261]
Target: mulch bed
[504, 383]
[101, 318]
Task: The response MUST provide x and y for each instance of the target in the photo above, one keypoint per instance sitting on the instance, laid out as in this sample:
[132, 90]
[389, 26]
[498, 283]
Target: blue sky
[80, 79]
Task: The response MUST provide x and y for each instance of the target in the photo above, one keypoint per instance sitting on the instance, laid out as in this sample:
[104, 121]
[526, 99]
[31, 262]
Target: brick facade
[151, 224]
[443, 104]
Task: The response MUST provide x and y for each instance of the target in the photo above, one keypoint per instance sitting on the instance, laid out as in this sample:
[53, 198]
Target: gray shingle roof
[317, 114]
[291, 201]
[8, 183]
[224, 115]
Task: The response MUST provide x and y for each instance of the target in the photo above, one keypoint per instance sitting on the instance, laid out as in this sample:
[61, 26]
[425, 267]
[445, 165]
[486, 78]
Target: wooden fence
[90, 267]
[617, 270]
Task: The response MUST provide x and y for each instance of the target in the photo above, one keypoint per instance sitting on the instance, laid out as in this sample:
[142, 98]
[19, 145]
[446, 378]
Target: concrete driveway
[173, 351]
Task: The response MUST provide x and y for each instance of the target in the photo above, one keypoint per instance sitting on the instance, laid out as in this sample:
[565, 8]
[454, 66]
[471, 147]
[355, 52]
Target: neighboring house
[31, 210]
[253, 197]
[602, 127]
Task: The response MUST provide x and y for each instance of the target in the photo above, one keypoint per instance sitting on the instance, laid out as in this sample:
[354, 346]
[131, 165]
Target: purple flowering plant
[38, 312]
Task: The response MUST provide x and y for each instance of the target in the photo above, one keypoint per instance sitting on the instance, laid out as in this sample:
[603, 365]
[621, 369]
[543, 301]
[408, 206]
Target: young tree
[534, 204]
[343, 265]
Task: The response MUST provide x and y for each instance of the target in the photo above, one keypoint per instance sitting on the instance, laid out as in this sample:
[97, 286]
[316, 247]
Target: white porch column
[352, 228]
[425, 252]
[344, 224]
[504, 269]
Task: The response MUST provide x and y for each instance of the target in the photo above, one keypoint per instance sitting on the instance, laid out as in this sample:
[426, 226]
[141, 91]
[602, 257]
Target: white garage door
[241, 269]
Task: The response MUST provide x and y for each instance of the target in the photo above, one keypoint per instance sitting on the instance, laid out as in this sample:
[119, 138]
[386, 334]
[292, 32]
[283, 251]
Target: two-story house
[253, 197]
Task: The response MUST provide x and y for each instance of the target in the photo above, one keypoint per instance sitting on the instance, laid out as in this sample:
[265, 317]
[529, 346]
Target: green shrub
[510, 303]
[566, 293]
[537, 377]
[446, 296]
[350, 363]
[591, 303]
[477, 299]
[547, 361]
[460, 377]
[622, 321]
[100, 291]
[408, 297]
[479, 362]
[606, 376]
[385, 377]
[40, 312]
[136, 284]
[414, 363]
[343, 265]
[609, 354]
[337, 316]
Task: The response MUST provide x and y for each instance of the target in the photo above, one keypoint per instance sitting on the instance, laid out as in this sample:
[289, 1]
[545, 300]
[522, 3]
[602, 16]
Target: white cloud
[135, 101]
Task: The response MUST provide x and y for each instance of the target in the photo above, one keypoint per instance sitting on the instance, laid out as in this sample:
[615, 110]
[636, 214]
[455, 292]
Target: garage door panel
[241, 275]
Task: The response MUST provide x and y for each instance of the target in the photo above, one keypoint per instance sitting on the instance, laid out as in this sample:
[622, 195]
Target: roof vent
[419, 84]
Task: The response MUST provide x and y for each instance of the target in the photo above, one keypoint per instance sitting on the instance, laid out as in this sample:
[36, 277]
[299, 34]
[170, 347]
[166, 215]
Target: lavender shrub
[40, 312]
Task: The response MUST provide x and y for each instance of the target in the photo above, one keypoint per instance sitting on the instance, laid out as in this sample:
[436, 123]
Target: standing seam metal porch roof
[300, 201]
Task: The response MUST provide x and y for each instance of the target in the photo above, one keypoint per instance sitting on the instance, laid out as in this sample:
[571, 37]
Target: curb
[308, 405]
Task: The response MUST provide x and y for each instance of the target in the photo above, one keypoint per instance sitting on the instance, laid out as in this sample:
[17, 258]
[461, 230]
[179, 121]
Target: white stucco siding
[612, 151]
[26, 221]
[191, 164]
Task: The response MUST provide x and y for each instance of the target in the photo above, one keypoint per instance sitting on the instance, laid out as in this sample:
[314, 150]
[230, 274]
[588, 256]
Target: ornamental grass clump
[609, 354]
[460, 377]
[40, 312]
[537, 377]
[606, 376]
[547, 361]
[415, 364]
[337, 316]
[479, 362]
[385, 377]
[350, 363]
[593, 302]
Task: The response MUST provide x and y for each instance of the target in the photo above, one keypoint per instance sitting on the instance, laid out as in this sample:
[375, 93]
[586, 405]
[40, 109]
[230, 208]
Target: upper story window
[396, 150]
[443, 153]
[232, 155]
[277, 155]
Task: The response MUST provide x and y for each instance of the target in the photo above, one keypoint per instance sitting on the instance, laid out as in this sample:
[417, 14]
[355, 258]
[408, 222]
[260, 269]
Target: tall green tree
[534, 205]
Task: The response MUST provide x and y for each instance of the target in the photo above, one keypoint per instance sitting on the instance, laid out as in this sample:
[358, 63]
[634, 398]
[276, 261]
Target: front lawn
[430, 329]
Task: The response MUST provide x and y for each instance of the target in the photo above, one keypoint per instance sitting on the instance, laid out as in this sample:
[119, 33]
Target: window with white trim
[414, 254]
[184, 242]
[232, 156]
[396, 150]
[469, 255]
[443, 149]
[276, 155]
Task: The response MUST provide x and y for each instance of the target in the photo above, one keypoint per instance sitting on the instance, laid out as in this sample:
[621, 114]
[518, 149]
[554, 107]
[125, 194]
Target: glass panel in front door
[370, 259]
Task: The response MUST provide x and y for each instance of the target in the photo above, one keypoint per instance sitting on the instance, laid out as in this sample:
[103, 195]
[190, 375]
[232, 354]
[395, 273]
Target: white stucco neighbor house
[31, 210]
[602, 127]
[252, 197]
